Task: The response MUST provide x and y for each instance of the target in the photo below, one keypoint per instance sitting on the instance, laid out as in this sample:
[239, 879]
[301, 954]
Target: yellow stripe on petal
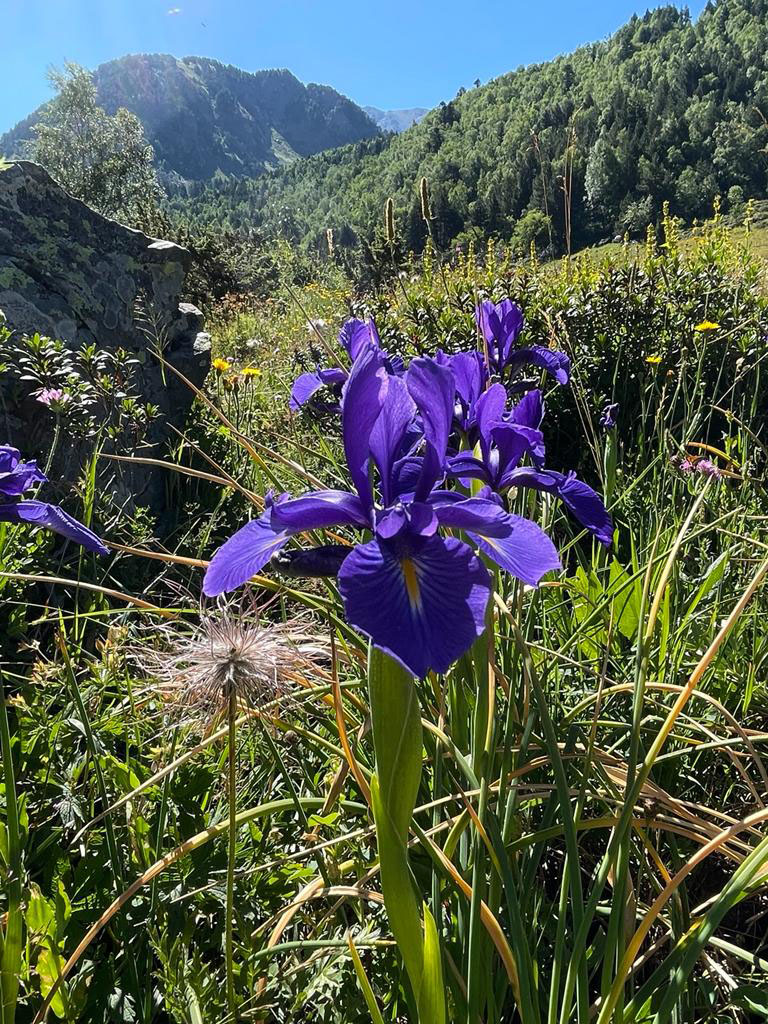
[411, 583]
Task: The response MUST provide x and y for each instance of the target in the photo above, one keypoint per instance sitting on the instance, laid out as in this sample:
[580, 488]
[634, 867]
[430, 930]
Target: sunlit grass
[588, 833]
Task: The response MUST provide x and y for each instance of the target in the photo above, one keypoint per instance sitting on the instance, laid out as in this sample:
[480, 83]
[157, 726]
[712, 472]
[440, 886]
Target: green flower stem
[231, 851]
[397, 740]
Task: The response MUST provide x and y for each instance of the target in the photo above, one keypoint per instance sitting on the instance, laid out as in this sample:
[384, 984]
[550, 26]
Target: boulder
[68, 273]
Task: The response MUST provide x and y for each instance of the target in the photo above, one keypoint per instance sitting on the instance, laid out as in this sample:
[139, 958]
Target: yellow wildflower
[653, 360]
[221, 365]
[706, 325]
[251, 371]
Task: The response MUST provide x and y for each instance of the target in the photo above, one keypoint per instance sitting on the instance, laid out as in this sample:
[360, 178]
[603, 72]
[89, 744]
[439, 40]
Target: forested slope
[667, 108]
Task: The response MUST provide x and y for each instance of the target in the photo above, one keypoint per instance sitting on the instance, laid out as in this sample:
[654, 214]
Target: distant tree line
[572, 151]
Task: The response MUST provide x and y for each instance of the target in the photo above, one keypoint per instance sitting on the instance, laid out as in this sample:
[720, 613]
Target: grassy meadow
[568, 825]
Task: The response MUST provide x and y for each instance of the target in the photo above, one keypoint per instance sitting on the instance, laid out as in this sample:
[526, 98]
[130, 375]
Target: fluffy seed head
[229, 654]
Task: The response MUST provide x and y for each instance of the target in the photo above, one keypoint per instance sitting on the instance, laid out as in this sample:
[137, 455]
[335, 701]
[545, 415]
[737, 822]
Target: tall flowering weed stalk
[433, 451]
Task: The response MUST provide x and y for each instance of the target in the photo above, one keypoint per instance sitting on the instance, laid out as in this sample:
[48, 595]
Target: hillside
[666, 108]
[204, 117]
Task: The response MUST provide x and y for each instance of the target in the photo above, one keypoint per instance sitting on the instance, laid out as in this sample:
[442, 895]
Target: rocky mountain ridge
[204, 117]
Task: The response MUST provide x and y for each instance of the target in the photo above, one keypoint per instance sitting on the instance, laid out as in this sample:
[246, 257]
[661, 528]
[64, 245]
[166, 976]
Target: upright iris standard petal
[515, 544]
[557, 364]
[512, 442]
[432, 388]
[500, 324]
[578, 497]
[243, 555]
[389, 433]
[608, 415]
[9, 458]
[362, 402]
[39, 513]
[529, 411]
[356, 334]
[470, 375]
[489, 409]
[425, 609]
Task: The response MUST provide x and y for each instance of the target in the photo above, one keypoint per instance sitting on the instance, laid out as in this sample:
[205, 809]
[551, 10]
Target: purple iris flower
[470, 375]
[16, 477]
[608, 417]
[354, 336]
[421, 596]
[501, 324]
[504, 439]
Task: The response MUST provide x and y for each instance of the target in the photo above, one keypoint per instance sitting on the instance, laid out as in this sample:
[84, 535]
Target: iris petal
[303, 388]
[356, 334]
[243, 555]
[317, 510]
[512, 443]
[432, 388]
[529, 411]
[555, 363]
[389, 431]
[584, 503]
[19, 476]
[466, 467]
[516, 544]
[469, 374]
[362, 401]
[53, 518]
[426, 610]
[488, 411]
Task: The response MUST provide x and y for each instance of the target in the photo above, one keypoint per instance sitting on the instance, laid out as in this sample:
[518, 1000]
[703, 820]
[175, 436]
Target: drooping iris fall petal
[513, 543]
[557, 364]
[17, 476]
[248, 551]
[318, 510]
[39, 513]
[584, 503]
[243, 555]
[425, 609]
[308, 384]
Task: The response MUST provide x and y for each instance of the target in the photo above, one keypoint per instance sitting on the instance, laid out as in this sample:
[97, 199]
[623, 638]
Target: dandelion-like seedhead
[229, 654]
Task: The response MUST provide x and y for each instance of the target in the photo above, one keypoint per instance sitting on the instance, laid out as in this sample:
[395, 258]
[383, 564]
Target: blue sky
[401, 53]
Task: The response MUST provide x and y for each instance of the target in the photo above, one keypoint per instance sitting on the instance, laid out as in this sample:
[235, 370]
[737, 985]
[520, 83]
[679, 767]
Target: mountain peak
[396, 120]
[204, 117]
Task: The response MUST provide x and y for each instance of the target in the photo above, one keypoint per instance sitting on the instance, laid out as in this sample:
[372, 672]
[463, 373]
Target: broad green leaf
[49, 968]
[396, 720]
[40, 915]
[625, 606]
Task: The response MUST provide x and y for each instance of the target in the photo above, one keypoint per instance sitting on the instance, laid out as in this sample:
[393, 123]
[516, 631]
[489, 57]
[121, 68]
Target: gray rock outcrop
[68, 273]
